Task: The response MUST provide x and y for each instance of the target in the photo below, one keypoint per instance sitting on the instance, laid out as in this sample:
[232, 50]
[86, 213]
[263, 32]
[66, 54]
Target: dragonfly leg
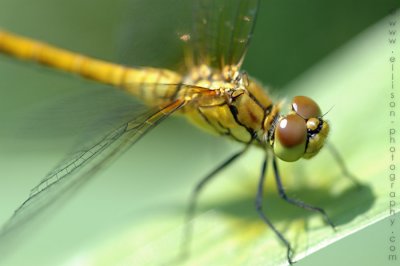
[296, 202]
[193, 201]
[342, 165]
[259, 209]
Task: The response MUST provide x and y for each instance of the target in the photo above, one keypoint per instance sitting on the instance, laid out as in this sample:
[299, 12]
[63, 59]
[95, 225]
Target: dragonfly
[210, 89]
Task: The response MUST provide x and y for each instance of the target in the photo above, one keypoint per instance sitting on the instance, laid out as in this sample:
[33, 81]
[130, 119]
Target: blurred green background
[290, 37]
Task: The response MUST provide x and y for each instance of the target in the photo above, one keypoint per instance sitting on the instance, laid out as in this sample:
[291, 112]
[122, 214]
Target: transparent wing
[79, 168]
[178, 34]
[149, 33]
[93, 110]
[222, 31]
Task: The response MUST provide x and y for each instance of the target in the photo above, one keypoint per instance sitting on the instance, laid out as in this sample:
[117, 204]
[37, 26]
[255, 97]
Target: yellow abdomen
[138, 81]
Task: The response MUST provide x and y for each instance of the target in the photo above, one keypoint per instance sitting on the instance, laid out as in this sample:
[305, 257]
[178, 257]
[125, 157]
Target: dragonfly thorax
[234, 105]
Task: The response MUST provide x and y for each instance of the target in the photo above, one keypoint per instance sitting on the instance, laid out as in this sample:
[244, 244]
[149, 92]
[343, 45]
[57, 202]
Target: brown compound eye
[290, 138]
[305, 107]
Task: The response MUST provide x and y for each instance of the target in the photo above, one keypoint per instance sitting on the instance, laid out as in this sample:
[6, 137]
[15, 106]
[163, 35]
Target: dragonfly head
[302, 132]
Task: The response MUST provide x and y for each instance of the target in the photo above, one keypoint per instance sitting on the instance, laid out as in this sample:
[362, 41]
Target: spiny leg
[342, 165]
[296, 202]
[259, 208]
[193, 201]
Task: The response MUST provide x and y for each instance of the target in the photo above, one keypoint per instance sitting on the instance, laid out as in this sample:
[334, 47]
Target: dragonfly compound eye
[290, 138]
[305, 107]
